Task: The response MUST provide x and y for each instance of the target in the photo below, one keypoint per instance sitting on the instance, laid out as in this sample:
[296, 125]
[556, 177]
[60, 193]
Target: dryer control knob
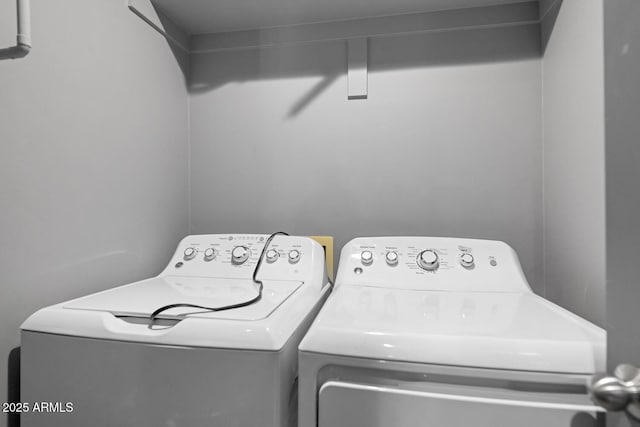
[366, 257]
[428, 260]
[294, 256]
[240, 254]
[209, 254]
[392, 258]
[466, 260]
[272, 255]
[189, 253]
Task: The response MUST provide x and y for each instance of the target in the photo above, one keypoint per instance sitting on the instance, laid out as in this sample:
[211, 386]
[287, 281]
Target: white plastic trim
[464, 398]
[357, 70]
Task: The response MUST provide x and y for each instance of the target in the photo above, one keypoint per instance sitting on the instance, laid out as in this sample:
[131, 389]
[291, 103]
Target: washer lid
[520, 331]
[122, 314]
[143, 298]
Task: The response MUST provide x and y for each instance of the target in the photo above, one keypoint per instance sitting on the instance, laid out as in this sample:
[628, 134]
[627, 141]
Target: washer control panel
[433, 263]
[236, 256]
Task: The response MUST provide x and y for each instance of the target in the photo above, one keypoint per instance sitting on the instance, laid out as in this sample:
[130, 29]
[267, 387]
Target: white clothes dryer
[99, 361]
[444, 332]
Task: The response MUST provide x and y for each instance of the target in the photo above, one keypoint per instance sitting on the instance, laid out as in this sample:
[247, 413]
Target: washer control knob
[366, 257]
[190, 253]
[272, 255]
[428, 260]
[209, 254]
[466, 260]
[294, 256]
[240, 254]
[392, 257]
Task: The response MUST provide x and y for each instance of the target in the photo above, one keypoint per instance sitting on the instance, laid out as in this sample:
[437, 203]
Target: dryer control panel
[236, 256]
[431, 263]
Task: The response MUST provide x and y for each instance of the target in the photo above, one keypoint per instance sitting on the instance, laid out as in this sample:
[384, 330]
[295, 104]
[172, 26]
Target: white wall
[93, 157]
[574, 195]
[448, 143]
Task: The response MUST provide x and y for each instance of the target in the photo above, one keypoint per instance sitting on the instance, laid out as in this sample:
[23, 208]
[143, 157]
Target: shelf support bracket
[357, 68]
[146, 11]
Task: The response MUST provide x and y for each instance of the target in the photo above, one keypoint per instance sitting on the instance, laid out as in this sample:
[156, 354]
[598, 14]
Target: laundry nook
[319, 213]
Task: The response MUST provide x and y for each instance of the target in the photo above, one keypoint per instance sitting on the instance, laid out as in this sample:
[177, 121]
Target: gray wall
[574, 196]
[622, 62]
[93, 158]
[448, 143]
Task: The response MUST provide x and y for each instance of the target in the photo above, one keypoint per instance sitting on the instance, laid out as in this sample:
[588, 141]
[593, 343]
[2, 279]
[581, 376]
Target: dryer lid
[143, 298]
[499, 330]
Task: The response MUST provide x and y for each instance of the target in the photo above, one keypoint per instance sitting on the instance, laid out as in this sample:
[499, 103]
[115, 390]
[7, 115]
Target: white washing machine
[444, 332]
[97, 360]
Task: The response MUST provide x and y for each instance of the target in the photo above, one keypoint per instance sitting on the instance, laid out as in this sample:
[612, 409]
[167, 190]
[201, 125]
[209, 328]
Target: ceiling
[212, 16]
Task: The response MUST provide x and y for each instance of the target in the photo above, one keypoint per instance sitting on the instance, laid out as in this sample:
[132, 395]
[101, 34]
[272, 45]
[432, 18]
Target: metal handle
[620, 392]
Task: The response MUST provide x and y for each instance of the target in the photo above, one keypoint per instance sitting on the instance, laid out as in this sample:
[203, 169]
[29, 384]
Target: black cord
[254, 300]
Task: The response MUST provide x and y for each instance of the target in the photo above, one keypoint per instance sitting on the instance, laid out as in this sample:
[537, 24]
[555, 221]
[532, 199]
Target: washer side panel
[112, 383]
